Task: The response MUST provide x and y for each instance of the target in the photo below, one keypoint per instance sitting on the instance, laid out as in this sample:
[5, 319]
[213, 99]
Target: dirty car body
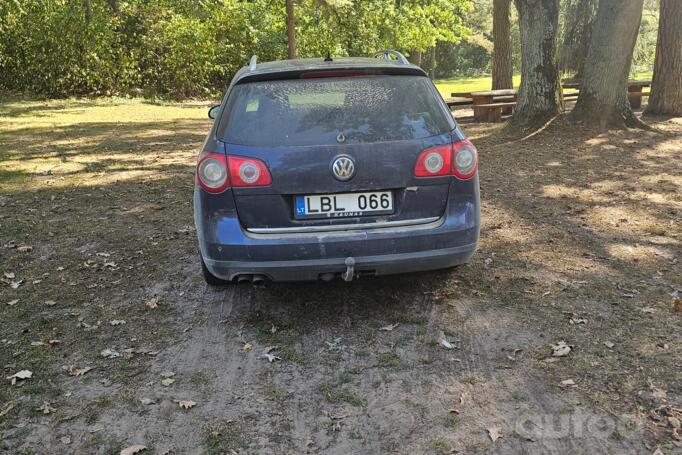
[317, 169]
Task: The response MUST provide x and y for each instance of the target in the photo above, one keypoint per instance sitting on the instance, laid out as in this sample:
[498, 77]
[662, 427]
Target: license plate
[344, 205]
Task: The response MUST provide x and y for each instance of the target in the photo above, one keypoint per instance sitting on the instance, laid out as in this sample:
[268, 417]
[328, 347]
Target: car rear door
[299, 128]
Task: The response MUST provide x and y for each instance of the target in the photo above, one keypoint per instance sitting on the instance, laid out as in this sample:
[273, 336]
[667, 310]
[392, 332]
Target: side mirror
[213, 111]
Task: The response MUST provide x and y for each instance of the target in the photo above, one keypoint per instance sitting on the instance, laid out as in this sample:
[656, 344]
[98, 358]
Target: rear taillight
[459, 159]
[212, 173]
[464, 160]
[434, 161]
[217, 172]
[248, 172]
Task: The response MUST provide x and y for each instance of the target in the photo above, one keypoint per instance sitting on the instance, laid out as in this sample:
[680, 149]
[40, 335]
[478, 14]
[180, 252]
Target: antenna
[328, 58]
[252, 63]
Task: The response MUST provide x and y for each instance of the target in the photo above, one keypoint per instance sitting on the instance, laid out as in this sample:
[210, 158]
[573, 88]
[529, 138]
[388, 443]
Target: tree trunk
[417, 58]
[291, 29]
[666, 89]
[603, 99]
[502, 48]
[539, 98]
[434, 63]
[577, 32]
[88, 10]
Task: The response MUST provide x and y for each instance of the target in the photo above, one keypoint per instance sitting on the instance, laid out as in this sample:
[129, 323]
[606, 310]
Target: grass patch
[390, 360]
[440, 445]
[471, 379]
[476, 84]
[336, 394]
[224, 437]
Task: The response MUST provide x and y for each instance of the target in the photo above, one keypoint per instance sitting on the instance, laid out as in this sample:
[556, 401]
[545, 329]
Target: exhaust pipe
[244, 279]
[259, 279]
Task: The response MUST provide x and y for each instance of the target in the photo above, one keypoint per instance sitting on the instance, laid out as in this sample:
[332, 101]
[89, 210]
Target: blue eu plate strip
[300, 205]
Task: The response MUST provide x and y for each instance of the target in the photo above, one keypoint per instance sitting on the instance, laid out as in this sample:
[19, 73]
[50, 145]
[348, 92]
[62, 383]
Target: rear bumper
[229, 250]
[311, 269]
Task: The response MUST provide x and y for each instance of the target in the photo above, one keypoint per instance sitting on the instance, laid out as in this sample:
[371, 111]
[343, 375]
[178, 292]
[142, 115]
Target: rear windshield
[328, 111]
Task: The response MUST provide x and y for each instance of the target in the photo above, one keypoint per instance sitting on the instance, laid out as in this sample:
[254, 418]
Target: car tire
[210, 279]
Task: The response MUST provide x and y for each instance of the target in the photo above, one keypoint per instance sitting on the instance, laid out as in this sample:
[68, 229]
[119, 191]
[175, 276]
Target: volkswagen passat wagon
[334, 168]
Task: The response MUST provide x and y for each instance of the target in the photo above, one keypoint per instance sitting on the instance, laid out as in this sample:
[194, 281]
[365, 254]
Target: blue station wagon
[334, 168]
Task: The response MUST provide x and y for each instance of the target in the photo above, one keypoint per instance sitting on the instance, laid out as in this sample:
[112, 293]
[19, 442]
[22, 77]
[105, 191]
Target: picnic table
[489, 105]
[635, 91]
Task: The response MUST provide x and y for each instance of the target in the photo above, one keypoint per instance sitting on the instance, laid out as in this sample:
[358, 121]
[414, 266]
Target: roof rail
[386, 54]
[252, 63]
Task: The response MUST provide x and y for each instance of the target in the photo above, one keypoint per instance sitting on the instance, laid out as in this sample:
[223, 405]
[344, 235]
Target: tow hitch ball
[350, 270]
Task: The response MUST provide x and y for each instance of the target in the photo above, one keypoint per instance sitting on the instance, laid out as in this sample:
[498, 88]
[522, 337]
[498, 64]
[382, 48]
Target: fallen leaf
[390, 327]
[167, 374]
[116, 322]
[25, 249]
[132, 450]
[674, 422]
[153, 303]
[677, 305]
[167, 382]
[186, 404]
[20, 376]
[66, 440]
[103, 255]
[445, 343]
[247, 346]
[609, 344]
[561, 349]
[273, 329]
[110, 354]
[15, 284]
[494, 433]
[271, 358]
[50, 302]
[13, 302]
[10, 275]
[147, 401]
[567, 383]
[73, 371]
[648, 310]
[5, 408]
[46, 408]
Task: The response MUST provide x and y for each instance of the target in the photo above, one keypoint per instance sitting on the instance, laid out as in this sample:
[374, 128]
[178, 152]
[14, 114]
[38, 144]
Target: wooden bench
[457, 101]
[636, 92]
[492, 112]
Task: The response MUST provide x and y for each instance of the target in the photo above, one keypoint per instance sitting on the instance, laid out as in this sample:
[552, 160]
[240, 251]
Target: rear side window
[326, 111]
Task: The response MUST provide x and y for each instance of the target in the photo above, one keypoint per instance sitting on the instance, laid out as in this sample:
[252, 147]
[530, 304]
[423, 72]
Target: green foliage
[182, 48]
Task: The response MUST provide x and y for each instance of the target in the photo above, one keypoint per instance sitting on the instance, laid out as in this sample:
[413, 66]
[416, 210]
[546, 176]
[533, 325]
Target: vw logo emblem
[343, 167]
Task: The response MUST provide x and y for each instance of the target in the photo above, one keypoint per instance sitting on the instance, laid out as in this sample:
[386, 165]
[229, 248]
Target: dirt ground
[102, 302]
